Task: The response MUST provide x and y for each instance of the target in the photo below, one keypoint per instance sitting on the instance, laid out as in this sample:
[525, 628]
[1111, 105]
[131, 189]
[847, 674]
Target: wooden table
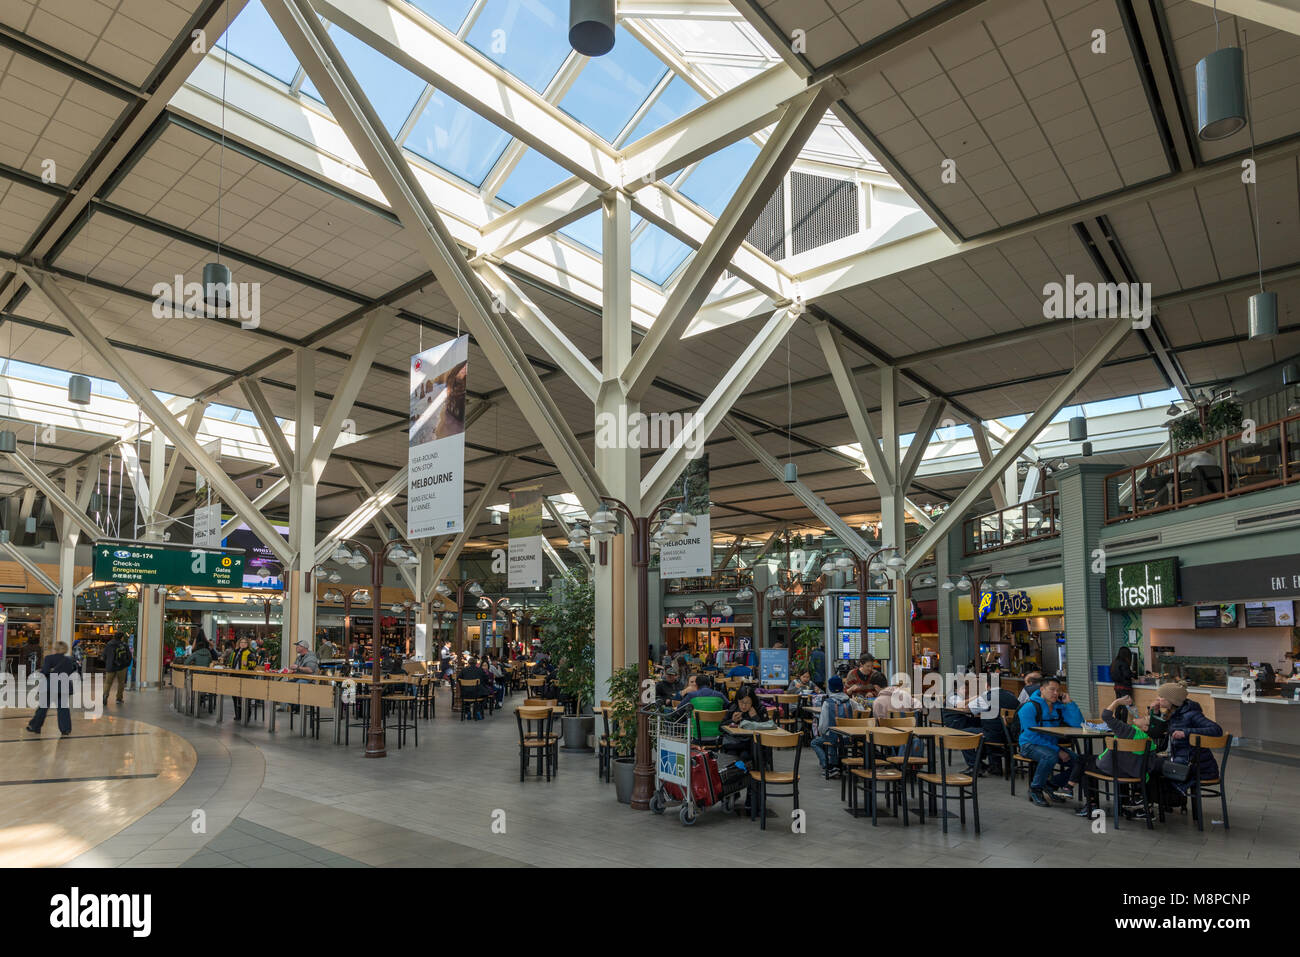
[1086, 735]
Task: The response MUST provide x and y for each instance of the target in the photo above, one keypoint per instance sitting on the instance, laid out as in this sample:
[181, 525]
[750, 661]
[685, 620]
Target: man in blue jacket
[1048, 707]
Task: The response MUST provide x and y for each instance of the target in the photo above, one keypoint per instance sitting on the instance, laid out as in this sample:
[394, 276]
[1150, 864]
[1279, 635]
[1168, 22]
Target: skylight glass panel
[715, 179]
[532, 175]
[457, 139]
[1151, 400]
[254, 38]
[677, 99]
[1128, 403]
[391, 89]
[609, 89]
[588, 231]
[656, 255]
[527, 37]
[450, 13]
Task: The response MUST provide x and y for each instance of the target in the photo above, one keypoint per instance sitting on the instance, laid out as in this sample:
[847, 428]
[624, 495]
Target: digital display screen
[851, 643]
[259, 558]
[1216, 616]
[1270, 614]
[879, 611]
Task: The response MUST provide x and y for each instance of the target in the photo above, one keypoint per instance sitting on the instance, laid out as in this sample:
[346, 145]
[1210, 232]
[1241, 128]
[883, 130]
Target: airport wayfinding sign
[150, 563]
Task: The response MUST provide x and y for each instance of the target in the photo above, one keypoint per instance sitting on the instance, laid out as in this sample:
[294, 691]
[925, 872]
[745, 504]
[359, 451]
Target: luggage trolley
[687, 778]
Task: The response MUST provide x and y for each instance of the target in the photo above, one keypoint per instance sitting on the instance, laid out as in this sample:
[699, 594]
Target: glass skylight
[588, 231]
[392, 90]
[533, 174]
[457, 139]
[254, 38]
[528, 38]
[609, 89]
[716, 177]
[677, 99]
[450, 13]
[656, 255]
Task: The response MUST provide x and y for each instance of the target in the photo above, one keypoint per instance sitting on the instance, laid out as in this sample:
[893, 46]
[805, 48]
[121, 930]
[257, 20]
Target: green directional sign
[155, 564]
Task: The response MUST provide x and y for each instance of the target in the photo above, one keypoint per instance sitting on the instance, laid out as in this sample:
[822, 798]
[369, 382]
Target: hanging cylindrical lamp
[1263, 315]
[8, 441]
[591, 26]
[79, 390]
[791, 473]
[1078, 428]
[216, 285]
[1290, 376]
[1087, 448]
[1220, 94]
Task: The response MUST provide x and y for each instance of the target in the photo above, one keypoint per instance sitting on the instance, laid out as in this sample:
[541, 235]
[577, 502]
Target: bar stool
[405, 706]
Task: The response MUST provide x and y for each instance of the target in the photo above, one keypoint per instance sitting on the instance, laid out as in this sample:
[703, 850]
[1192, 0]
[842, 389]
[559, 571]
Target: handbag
[1176, 771]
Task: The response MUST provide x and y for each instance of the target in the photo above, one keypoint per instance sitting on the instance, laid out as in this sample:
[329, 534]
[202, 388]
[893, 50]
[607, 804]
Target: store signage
[1152, 584]
[1037, 601]
[1242, 581]
[696, 621]
[524, 556]
[157, 564]
[692, 555]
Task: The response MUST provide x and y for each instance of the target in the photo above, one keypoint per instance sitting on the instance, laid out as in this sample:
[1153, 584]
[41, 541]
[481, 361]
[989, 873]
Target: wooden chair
[931, 784]
[1114, 783]
[789, 705]
[536, 737]
[761, 779]
[535, 686]
[854, 745]
[699, 718]
[1213, 787]
[1017, 760]
[470, 706]
[877, 771]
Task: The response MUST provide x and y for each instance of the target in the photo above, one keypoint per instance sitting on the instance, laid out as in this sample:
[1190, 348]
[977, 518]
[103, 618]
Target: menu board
[1270, 614]
[1216, 616]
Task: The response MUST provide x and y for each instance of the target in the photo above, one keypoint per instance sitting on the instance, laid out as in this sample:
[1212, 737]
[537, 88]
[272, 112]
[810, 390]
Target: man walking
[117, 658]
[56, 670]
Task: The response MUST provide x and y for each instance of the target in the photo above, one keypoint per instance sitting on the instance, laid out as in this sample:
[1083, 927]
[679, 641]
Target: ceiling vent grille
[822, 210]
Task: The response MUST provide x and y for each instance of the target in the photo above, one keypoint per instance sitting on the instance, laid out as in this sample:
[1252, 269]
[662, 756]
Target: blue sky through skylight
[533, 174]
[254, 38]
[610, 88]
[677, 99]
[716, 177]
[392, 90]
[457, 139]
[450, 13]
[655, 254]
[528, 38]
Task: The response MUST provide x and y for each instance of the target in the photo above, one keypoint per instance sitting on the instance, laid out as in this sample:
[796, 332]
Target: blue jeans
[1046, 756]
[819, 745]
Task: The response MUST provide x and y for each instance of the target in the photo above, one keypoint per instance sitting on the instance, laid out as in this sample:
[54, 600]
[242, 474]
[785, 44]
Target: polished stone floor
[456, 801]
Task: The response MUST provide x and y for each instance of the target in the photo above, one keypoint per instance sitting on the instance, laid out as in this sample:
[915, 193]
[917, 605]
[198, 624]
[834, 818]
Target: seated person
[747, 707]
[706, 698]
[1033, 679]
[740, 670]
[802, 684]
[890, 697]
[1124, 764]
[472, 672]
[670, 687]
[1182, 718]
[858, 681]
[988, 708]
[701, 686]
[1049, 707]
[836, 705]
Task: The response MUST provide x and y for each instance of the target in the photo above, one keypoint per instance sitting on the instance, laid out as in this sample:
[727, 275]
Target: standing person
[1121, 674]
[241, 658]
[56, 668]
[117, 658]
[817, 666]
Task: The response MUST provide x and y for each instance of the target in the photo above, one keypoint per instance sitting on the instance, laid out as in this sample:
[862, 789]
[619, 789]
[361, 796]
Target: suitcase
[733, 780]
[706, 783]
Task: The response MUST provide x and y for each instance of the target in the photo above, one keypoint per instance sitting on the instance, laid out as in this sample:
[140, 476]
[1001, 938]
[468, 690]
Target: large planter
[624, 778]
[577, 728]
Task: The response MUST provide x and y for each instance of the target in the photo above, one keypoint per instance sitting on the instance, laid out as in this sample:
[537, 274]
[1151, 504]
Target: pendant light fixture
[1290, 376]
[216, 275]
[1220, 90]
[79, 390]
[8, 441]
[1261, 311]
[1078, 428]
[591, 26]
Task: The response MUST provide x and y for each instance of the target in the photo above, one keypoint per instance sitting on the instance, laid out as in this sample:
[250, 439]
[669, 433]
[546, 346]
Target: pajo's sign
[1036, 601]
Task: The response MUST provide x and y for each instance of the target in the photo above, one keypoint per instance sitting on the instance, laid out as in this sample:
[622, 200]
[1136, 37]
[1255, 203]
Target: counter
[1266, 724]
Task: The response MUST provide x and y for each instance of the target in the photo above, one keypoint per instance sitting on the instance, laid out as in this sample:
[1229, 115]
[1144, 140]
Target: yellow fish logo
[986, 605]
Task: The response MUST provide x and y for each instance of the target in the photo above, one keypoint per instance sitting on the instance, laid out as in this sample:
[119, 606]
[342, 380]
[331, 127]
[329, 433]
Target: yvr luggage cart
[686, 778]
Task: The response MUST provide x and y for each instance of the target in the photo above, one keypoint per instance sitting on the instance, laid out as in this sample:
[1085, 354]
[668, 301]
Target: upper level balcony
[1030, 521]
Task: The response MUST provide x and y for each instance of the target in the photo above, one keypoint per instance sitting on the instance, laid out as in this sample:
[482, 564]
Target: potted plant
[1185, 431]
[624, 695]
[806, 640]
[570, 640]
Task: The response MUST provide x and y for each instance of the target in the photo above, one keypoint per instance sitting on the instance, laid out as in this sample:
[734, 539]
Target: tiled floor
[457, 801]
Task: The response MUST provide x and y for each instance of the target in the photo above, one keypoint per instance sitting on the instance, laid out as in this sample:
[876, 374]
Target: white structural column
[299, 619]
[69, 533]
[893, 514]
[617, 463]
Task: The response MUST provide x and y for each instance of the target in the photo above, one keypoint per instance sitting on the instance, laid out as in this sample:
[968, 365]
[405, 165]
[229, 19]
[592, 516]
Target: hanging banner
[435, 482]
[692, 557]
[207, 525]
[525, 553]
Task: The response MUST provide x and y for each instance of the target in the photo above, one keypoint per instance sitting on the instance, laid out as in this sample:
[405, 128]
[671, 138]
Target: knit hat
[1173, 692]
[835, 684]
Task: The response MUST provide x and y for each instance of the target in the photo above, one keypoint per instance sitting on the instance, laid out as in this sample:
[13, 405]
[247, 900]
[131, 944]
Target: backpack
[121, 657]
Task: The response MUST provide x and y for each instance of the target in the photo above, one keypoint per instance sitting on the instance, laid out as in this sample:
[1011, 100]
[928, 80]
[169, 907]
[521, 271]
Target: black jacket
[1122, 676]
[1190, 719]
[110, 653]
[56, 664]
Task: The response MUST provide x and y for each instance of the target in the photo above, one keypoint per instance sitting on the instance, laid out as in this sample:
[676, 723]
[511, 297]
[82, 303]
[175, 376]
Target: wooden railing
[1029, 521]
[1265, 457]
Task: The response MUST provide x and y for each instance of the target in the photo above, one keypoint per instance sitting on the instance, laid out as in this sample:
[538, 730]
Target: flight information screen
[879, 611]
